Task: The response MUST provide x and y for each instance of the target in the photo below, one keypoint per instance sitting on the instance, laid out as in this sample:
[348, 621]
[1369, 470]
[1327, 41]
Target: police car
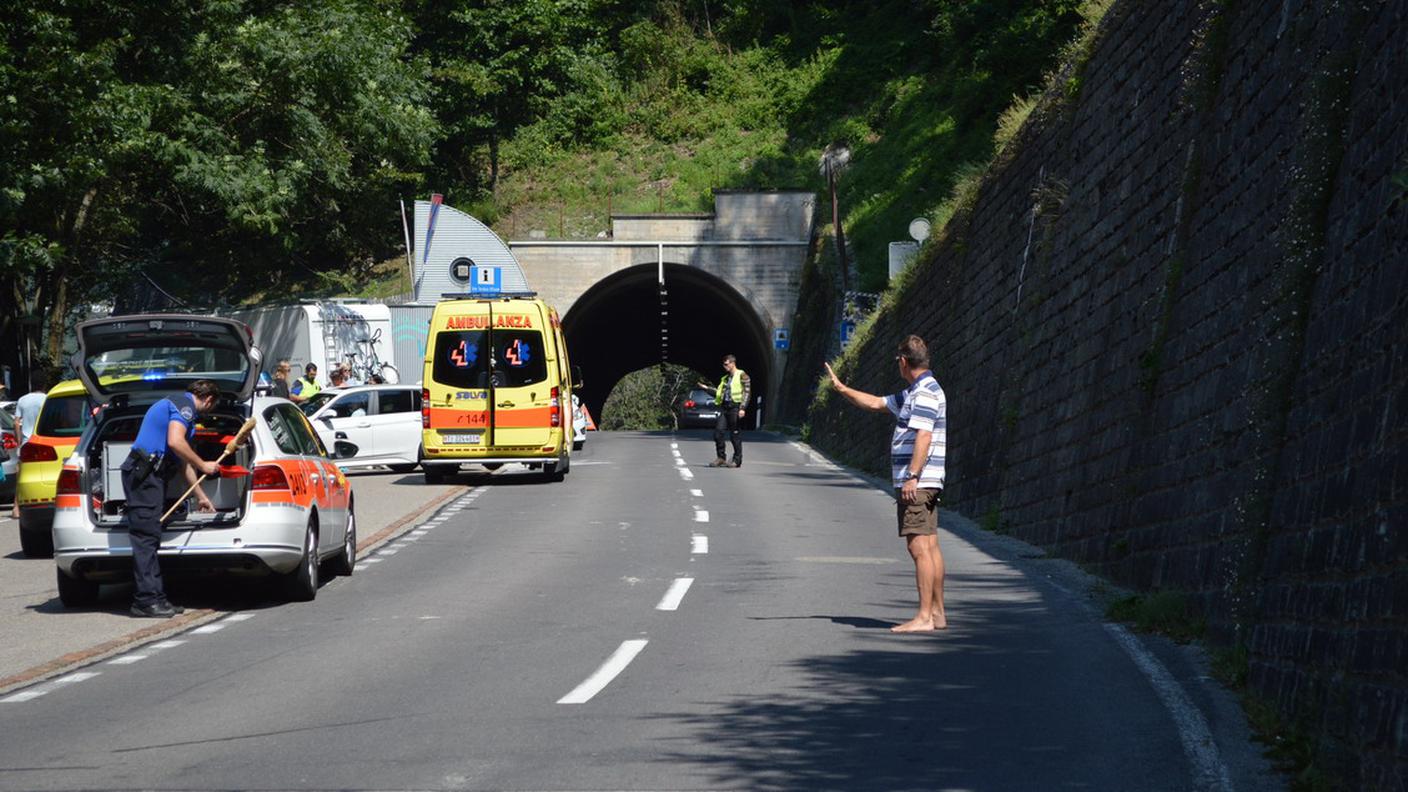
[283, 510]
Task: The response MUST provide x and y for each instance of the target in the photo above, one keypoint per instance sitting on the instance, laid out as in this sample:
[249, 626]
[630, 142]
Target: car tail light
[425, 408]
[689, 403]
[37, 452]
[269, 477]
[68, 482]
[7, 439]
[555, 408]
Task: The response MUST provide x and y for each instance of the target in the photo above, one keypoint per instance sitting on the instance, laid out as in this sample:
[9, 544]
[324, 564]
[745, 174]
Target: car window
[351, 405]
[397, 401]
[518, 355]
[63, 416]
[461, 360]
[700, 396]
[316, 402]
[282, 430]
[302, 431]
[6, 422]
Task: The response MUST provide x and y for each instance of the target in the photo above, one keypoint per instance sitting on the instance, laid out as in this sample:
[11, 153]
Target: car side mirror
[344, 450]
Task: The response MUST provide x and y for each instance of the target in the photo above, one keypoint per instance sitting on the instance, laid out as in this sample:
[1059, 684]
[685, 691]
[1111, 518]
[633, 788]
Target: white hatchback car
[287, 516]
[372, 424]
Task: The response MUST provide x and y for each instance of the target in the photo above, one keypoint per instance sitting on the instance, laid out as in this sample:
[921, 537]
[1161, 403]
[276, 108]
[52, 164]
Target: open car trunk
[113, 442]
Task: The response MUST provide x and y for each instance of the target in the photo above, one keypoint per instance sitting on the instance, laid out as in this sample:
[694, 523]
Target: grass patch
[1166, 613]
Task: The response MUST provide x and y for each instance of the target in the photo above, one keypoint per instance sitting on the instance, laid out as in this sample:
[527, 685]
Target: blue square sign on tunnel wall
[781, 339]
[486, 280]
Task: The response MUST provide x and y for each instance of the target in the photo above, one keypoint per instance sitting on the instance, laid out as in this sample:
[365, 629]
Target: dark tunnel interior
[614, 329]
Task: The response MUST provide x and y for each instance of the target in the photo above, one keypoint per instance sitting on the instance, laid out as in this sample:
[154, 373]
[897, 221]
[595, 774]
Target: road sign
[781, 339]
[485, 280]
[848, 329]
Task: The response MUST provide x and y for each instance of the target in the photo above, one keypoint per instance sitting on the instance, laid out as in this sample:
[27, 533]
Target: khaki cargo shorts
[922, 518]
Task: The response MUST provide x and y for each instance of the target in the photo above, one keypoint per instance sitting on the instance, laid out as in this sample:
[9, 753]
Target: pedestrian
[917, 466]
[161, 451]
[27, 411]
[337, 379]
[732, 394]
[281, 372]
[306, 386]
[348, 378]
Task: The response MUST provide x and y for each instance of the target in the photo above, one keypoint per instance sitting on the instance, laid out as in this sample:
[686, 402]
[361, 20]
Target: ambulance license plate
[462, 439]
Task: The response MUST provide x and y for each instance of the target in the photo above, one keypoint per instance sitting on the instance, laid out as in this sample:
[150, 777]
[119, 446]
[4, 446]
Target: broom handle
[192, 488]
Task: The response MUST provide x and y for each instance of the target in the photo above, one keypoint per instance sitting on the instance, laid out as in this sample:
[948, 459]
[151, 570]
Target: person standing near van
[27, 411]
[917, 462]
[306, 386]
[732, 397]
[281, 373]
[162, 449]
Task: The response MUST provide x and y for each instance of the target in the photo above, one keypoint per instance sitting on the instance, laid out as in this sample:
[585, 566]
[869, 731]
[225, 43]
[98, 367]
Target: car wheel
[577, 444]
[36, 544]
[557, 471]
[301, 585]
[346, 560]
[76, 592]
[433, 475]
[403, 468]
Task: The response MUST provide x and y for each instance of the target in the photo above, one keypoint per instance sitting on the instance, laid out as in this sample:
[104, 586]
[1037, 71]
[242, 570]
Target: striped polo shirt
[920, 407]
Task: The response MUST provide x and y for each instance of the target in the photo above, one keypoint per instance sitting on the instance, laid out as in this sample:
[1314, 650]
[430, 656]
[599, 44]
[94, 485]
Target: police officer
[732, 397]
[306, 386]
[162, 449]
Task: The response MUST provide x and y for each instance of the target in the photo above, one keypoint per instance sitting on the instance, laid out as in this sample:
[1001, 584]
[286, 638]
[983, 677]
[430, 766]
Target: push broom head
[240, 437]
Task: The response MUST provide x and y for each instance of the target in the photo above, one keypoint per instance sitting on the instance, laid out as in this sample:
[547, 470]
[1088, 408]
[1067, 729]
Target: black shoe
[174, 607]
[156, 610]
[736, 463]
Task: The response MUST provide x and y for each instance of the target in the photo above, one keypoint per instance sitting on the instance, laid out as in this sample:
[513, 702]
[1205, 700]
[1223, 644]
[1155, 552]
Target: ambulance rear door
[522, 388]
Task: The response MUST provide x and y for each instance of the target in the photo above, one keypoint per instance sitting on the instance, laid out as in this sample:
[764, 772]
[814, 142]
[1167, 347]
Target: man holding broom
[161, 450]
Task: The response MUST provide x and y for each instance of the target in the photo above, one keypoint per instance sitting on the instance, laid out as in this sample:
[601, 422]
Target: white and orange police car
[282, 507]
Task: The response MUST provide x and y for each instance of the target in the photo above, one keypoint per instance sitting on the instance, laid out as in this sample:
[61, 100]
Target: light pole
[834, 160]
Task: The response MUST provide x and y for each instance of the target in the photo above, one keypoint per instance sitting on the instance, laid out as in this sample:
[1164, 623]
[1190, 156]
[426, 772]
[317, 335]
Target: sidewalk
[39, 637]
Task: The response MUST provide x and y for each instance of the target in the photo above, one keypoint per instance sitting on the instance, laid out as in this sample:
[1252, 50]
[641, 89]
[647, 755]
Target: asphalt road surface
[650, 623]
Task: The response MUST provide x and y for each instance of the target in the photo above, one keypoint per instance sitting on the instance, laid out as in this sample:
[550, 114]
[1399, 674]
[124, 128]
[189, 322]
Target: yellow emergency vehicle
[497, 388]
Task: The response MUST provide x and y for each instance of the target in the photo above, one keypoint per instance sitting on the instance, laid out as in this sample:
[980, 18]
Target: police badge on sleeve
[188, 413]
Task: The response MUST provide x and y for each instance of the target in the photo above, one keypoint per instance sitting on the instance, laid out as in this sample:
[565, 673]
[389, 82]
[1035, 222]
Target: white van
[324, 333]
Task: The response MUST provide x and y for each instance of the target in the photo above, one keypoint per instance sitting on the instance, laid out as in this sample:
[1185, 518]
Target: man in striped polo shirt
[917, 463]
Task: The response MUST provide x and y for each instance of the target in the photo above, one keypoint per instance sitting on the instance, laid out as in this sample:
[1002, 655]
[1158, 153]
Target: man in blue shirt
[917, 448]
[161, 450]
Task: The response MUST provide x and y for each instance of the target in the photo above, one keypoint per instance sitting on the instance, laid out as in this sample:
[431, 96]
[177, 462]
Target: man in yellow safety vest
[732, 399]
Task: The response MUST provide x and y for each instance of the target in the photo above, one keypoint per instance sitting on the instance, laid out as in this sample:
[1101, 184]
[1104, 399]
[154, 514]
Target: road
[539, 636]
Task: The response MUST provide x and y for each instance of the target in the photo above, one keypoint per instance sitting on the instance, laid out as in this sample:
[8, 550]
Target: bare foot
[914, 625]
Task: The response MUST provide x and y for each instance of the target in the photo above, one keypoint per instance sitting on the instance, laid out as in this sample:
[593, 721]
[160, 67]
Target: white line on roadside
[128, 659]
[388, 552]
[207, 629]
[675, 454]
[686, 473]
[238, 617]
[27, 695]
[77, 676]
[671, 600]
[1208, 770]
[609, 670]
[679, 461]
[699, 544]
[171, 644]
[701, 515]
[674, 445]
[697, 493]
[370, 561]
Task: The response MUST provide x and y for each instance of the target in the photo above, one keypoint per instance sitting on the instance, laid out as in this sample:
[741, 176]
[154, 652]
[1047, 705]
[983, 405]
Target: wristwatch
[910, 475]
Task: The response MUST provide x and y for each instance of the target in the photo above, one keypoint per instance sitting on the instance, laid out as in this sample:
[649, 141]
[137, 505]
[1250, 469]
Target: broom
[230, 448]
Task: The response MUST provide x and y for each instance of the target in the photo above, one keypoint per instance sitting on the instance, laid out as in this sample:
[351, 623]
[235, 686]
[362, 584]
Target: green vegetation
[1165, 612]
[645, 399]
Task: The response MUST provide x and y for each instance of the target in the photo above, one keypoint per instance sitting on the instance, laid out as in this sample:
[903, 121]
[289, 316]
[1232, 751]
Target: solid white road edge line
[699, 544]
[1209, 773]
[675, 594]
[609, 670]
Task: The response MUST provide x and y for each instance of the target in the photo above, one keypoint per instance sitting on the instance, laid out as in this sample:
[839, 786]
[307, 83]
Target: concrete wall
[1195, 378]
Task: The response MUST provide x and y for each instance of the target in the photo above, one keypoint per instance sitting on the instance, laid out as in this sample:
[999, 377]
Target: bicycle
[374, 370]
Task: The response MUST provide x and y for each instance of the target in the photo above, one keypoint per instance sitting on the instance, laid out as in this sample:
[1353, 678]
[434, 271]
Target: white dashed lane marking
[207, 629]
[128, 659]
[686, 474]
[701, 515]
[609, 670]
[699, 544]
[697, 493]
[675, 594]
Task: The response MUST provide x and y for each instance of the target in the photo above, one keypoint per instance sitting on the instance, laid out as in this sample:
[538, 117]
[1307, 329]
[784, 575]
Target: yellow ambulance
[497, 388]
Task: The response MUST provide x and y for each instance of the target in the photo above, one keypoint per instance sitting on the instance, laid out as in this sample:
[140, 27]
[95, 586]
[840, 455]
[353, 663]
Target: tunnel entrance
[615, 328]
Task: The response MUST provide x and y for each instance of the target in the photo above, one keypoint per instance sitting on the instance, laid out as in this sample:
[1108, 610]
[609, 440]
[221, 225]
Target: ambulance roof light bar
[521, 295]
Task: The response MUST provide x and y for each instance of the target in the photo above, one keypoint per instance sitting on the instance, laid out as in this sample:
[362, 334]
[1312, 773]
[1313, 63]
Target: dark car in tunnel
[698, 409]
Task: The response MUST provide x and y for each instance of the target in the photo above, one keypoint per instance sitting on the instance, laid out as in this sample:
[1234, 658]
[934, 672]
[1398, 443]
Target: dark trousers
[145, 500]
[728, 422]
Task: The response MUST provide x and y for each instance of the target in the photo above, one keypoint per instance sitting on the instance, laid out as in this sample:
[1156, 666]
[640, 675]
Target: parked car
[66, 413]
[698, 409]
[287, 513]
[382, 422]
[9, 457]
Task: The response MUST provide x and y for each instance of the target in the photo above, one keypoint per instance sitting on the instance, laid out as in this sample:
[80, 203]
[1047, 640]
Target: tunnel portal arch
[614, 328]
